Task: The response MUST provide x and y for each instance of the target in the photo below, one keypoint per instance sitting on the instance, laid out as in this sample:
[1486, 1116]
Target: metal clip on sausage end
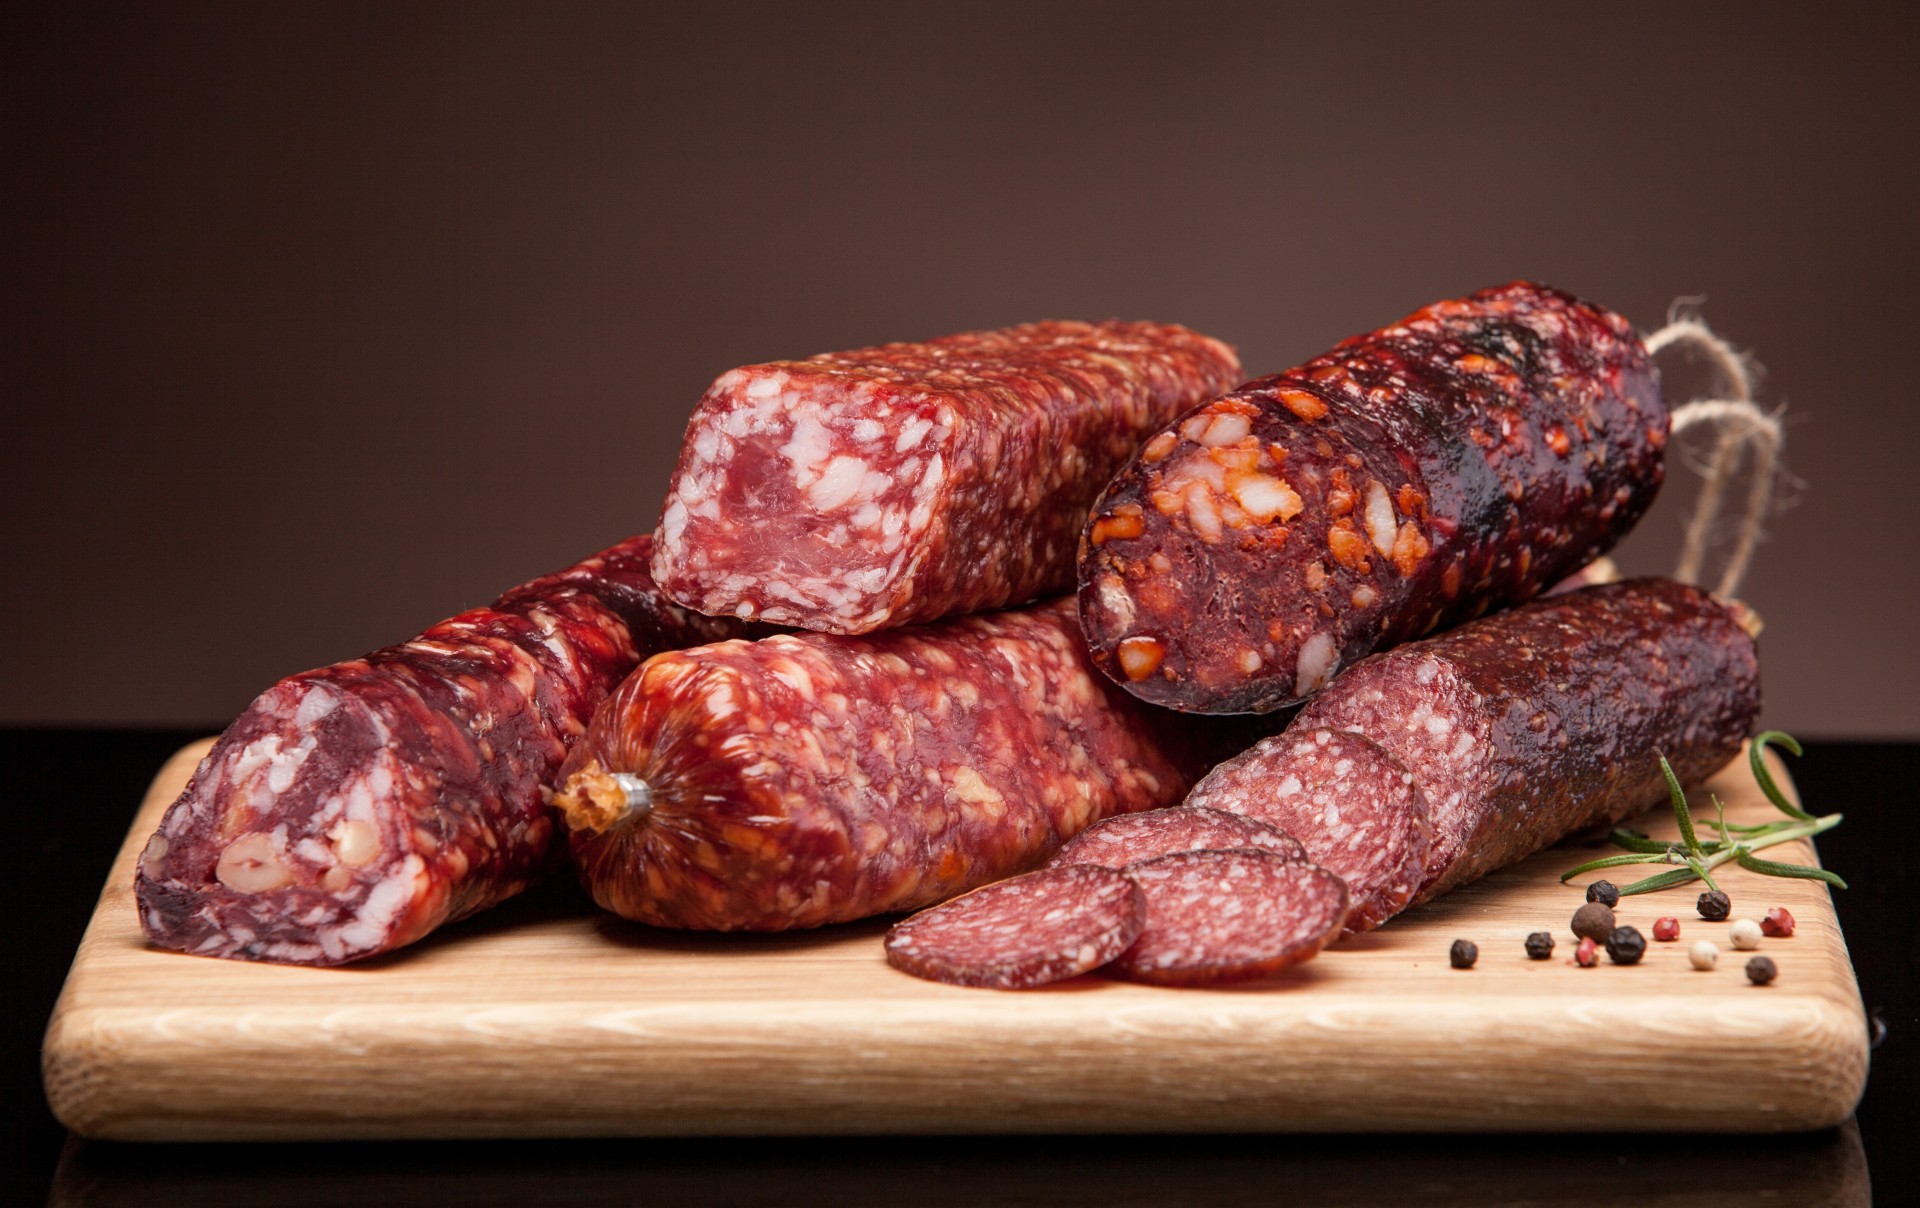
[595, 800]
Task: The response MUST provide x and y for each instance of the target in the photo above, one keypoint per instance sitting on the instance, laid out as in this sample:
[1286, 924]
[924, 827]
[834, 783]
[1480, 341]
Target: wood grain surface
[546, 1018]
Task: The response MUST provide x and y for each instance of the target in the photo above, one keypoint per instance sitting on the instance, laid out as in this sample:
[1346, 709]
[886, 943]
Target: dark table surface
[72, 793]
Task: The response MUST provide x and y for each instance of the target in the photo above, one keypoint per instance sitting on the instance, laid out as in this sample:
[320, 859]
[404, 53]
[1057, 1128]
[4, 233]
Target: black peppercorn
[1604, 891]
[1625, 945]
[1539, 946]
[1714, 905]
[1463, 954]
[1594, 921]
[1761, 970]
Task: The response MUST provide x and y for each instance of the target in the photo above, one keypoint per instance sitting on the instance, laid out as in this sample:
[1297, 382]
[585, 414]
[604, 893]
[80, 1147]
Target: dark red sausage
[817, 778]
[1129, 839]
[353, 809]
[1465, 458]
[1548, 719]
[1024, 931]
[861, 490]
[1215, 917]
[1354, 807]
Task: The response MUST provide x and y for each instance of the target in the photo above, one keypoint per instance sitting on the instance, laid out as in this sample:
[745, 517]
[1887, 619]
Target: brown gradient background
[325, 322]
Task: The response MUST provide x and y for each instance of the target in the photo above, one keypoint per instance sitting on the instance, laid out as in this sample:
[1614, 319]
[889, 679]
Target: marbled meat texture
[1530, 725]
[1025, 931]
[1462, 459]
[1131, 838]
[862, 490]
[815, 778]
[353, 809]
[1355, 808]
[1215, 917]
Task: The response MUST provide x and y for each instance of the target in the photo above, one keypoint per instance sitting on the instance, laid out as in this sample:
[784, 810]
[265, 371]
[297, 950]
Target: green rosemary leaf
[1665, 880]
[1680, 811]
[1610, 862]
[1623, 837]
[1735, 828]
[1701, 868]
[1774, 868]
[1765, 778]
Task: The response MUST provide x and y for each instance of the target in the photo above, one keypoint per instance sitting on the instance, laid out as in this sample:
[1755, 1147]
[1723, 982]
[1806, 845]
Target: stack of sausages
[849, 675]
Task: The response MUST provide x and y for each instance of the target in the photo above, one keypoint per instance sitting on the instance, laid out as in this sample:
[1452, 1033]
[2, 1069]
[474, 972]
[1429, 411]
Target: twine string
[1742, 427]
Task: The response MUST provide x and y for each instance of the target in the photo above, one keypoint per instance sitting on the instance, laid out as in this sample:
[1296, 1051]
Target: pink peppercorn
[1777, 922]
[1587, 955]
[1666, 928]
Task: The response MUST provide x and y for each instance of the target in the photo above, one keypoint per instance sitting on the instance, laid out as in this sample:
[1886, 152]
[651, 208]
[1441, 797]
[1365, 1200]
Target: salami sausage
[353, 809]
[1022, 932]
[1462, 459]
[1353, 805]
[816, 778]
[1215, 917]
[860, 490]
[1533, 724]
[1131, 838]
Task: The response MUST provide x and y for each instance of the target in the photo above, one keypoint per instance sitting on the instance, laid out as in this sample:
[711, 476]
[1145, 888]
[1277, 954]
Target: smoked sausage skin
[352, 809]
[815, 778]
[1463, 459]
[1550, 718]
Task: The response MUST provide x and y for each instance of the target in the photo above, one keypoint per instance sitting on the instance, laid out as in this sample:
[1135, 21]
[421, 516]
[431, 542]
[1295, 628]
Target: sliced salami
[1131, 838]
[861, 490]
[1533, 724]
[1354, 806]
[1464, 458]
[1215, 917]
[1023, 932]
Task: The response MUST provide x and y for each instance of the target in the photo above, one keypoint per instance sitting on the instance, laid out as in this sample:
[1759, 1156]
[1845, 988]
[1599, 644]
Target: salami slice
[1023, 932]
[1215, 917]
[860, 490]
[1131, 838]
[1531, 725]
[816, 778]
[1465, 458]
[353, 809]
[1353, 805]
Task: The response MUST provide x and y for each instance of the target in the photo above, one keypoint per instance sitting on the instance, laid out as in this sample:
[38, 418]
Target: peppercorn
[1745, 933]
[1704, 955]
[1625, 945]
[1463, 954]
[1539, 945]
[1666, 928]
[1714, 905]
[1604, 891]
[1777, 923]
[1594, 921]
[1761, 970]
[1587, 955]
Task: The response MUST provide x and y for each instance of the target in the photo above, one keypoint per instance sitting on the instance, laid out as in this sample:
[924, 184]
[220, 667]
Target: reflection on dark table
[1825, 1168]
[73, 793]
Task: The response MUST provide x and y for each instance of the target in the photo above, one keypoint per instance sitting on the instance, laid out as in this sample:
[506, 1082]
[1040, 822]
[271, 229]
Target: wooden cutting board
[547, 1018]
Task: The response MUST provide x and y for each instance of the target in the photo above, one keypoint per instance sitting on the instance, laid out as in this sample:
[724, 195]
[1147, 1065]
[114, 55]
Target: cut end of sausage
[1023, 932]
[1411, 478]
[1216, 917]
[1133, 838]
[1355, 807]
[278, 851]
[861, 490]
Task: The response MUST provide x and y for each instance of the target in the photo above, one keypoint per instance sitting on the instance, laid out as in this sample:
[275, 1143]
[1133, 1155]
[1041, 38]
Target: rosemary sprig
[1754, 863]
[1765, 778]
[1735, 842]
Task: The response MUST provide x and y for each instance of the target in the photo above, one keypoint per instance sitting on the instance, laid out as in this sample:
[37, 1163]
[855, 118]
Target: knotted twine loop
[1742, 426]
